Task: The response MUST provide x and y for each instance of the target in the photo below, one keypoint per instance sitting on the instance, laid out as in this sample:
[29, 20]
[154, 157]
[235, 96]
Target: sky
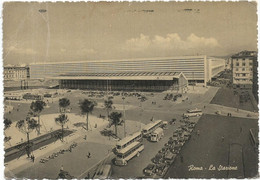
[62, 32]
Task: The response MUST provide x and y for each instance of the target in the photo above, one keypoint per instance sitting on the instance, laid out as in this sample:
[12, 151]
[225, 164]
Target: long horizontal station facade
[145, 72]
[144, 81]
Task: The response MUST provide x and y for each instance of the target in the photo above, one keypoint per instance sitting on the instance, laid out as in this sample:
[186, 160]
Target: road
[135, 166]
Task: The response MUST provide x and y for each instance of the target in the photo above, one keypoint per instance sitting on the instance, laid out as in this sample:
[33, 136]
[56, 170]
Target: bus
[128, 153]
[149, 128]
[137, 136]
[104, 172]
[156, 135]
[193, 112]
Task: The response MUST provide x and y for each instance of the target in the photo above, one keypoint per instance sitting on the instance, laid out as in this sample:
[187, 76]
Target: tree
[87, 107]
[108, 106]
[26, 127]
[115, 119]
[36, 108]
[62, 120]
[64, 103]
[7, 124]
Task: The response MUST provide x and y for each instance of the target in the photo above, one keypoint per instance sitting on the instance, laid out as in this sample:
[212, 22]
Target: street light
[123, 98]
[46, 19]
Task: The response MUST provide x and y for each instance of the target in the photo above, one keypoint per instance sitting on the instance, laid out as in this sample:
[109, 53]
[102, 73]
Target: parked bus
[137, 136]
[128, 153]
[157, 135]
[193, 112]
[104, 172]
[149, 128]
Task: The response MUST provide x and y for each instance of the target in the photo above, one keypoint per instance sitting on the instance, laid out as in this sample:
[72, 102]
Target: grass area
[226, 97]
[209, 149]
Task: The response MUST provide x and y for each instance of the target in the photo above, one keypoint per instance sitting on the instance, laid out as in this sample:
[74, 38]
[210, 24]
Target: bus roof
[150, 125]
[158, 130]
[192, 110]
[128, 138]
[129, 147]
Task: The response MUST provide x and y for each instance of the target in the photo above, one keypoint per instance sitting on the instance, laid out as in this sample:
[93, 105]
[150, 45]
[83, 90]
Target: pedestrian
[223, 138]
[204, 107]
[85, 137]
[181, 158]
[198, 132]
[61, 168]
[33, 158]
[241, 129]
[89, 155]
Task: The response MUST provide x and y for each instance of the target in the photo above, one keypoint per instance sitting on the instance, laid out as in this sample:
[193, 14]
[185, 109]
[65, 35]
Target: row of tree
[29, 124]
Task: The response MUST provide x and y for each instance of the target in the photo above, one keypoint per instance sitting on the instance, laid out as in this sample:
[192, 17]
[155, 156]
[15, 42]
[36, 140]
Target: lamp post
[123, 98]
[193, 80]
[46, 19]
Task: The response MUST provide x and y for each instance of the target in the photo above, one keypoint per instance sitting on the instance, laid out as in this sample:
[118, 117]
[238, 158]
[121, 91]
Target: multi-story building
[16, 72]
[242, 69]
[129, 72]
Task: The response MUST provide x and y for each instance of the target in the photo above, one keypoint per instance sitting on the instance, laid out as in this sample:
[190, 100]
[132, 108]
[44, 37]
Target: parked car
[149, 170]
[169, 157]
[158, 158]
[161, 169]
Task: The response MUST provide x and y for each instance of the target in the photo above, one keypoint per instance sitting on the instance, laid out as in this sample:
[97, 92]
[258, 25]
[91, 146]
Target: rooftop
[121, 76]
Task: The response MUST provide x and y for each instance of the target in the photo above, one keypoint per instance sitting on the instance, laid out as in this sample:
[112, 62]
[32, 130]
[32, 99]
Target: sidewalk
[19, 166]
[213, 108]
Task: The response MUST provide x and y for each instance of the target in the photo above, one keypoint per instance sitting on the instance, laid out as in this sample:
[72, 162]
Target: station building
[131, 74]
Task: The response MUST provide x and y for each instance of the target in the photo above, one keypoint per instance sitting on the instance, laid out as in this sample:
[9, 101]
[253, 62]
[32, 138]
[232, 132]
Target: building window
[243, 64]
[250, 64]
[243, 69]
[244, 59]
[236, 69]
[243, 74]
[237, 64]
[237, 74]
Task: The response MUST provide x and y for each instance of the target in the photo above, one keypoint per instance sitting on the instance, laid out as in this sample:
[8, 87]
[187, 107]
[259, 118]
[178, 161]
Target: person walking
[61, 168]
[198, 132]
[89, 155]
[181, 158]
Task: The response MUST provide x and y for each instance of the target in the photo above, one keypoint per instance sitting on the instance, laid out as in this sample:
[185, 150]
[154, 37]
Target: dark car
[158, 158]
[169, 157]
[149, 170]
[161, 169]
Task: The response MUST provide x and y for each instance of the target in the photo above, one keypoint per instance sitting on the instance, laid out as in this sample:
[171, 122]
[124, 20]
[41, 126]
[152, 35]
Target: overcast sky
[88, 31]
